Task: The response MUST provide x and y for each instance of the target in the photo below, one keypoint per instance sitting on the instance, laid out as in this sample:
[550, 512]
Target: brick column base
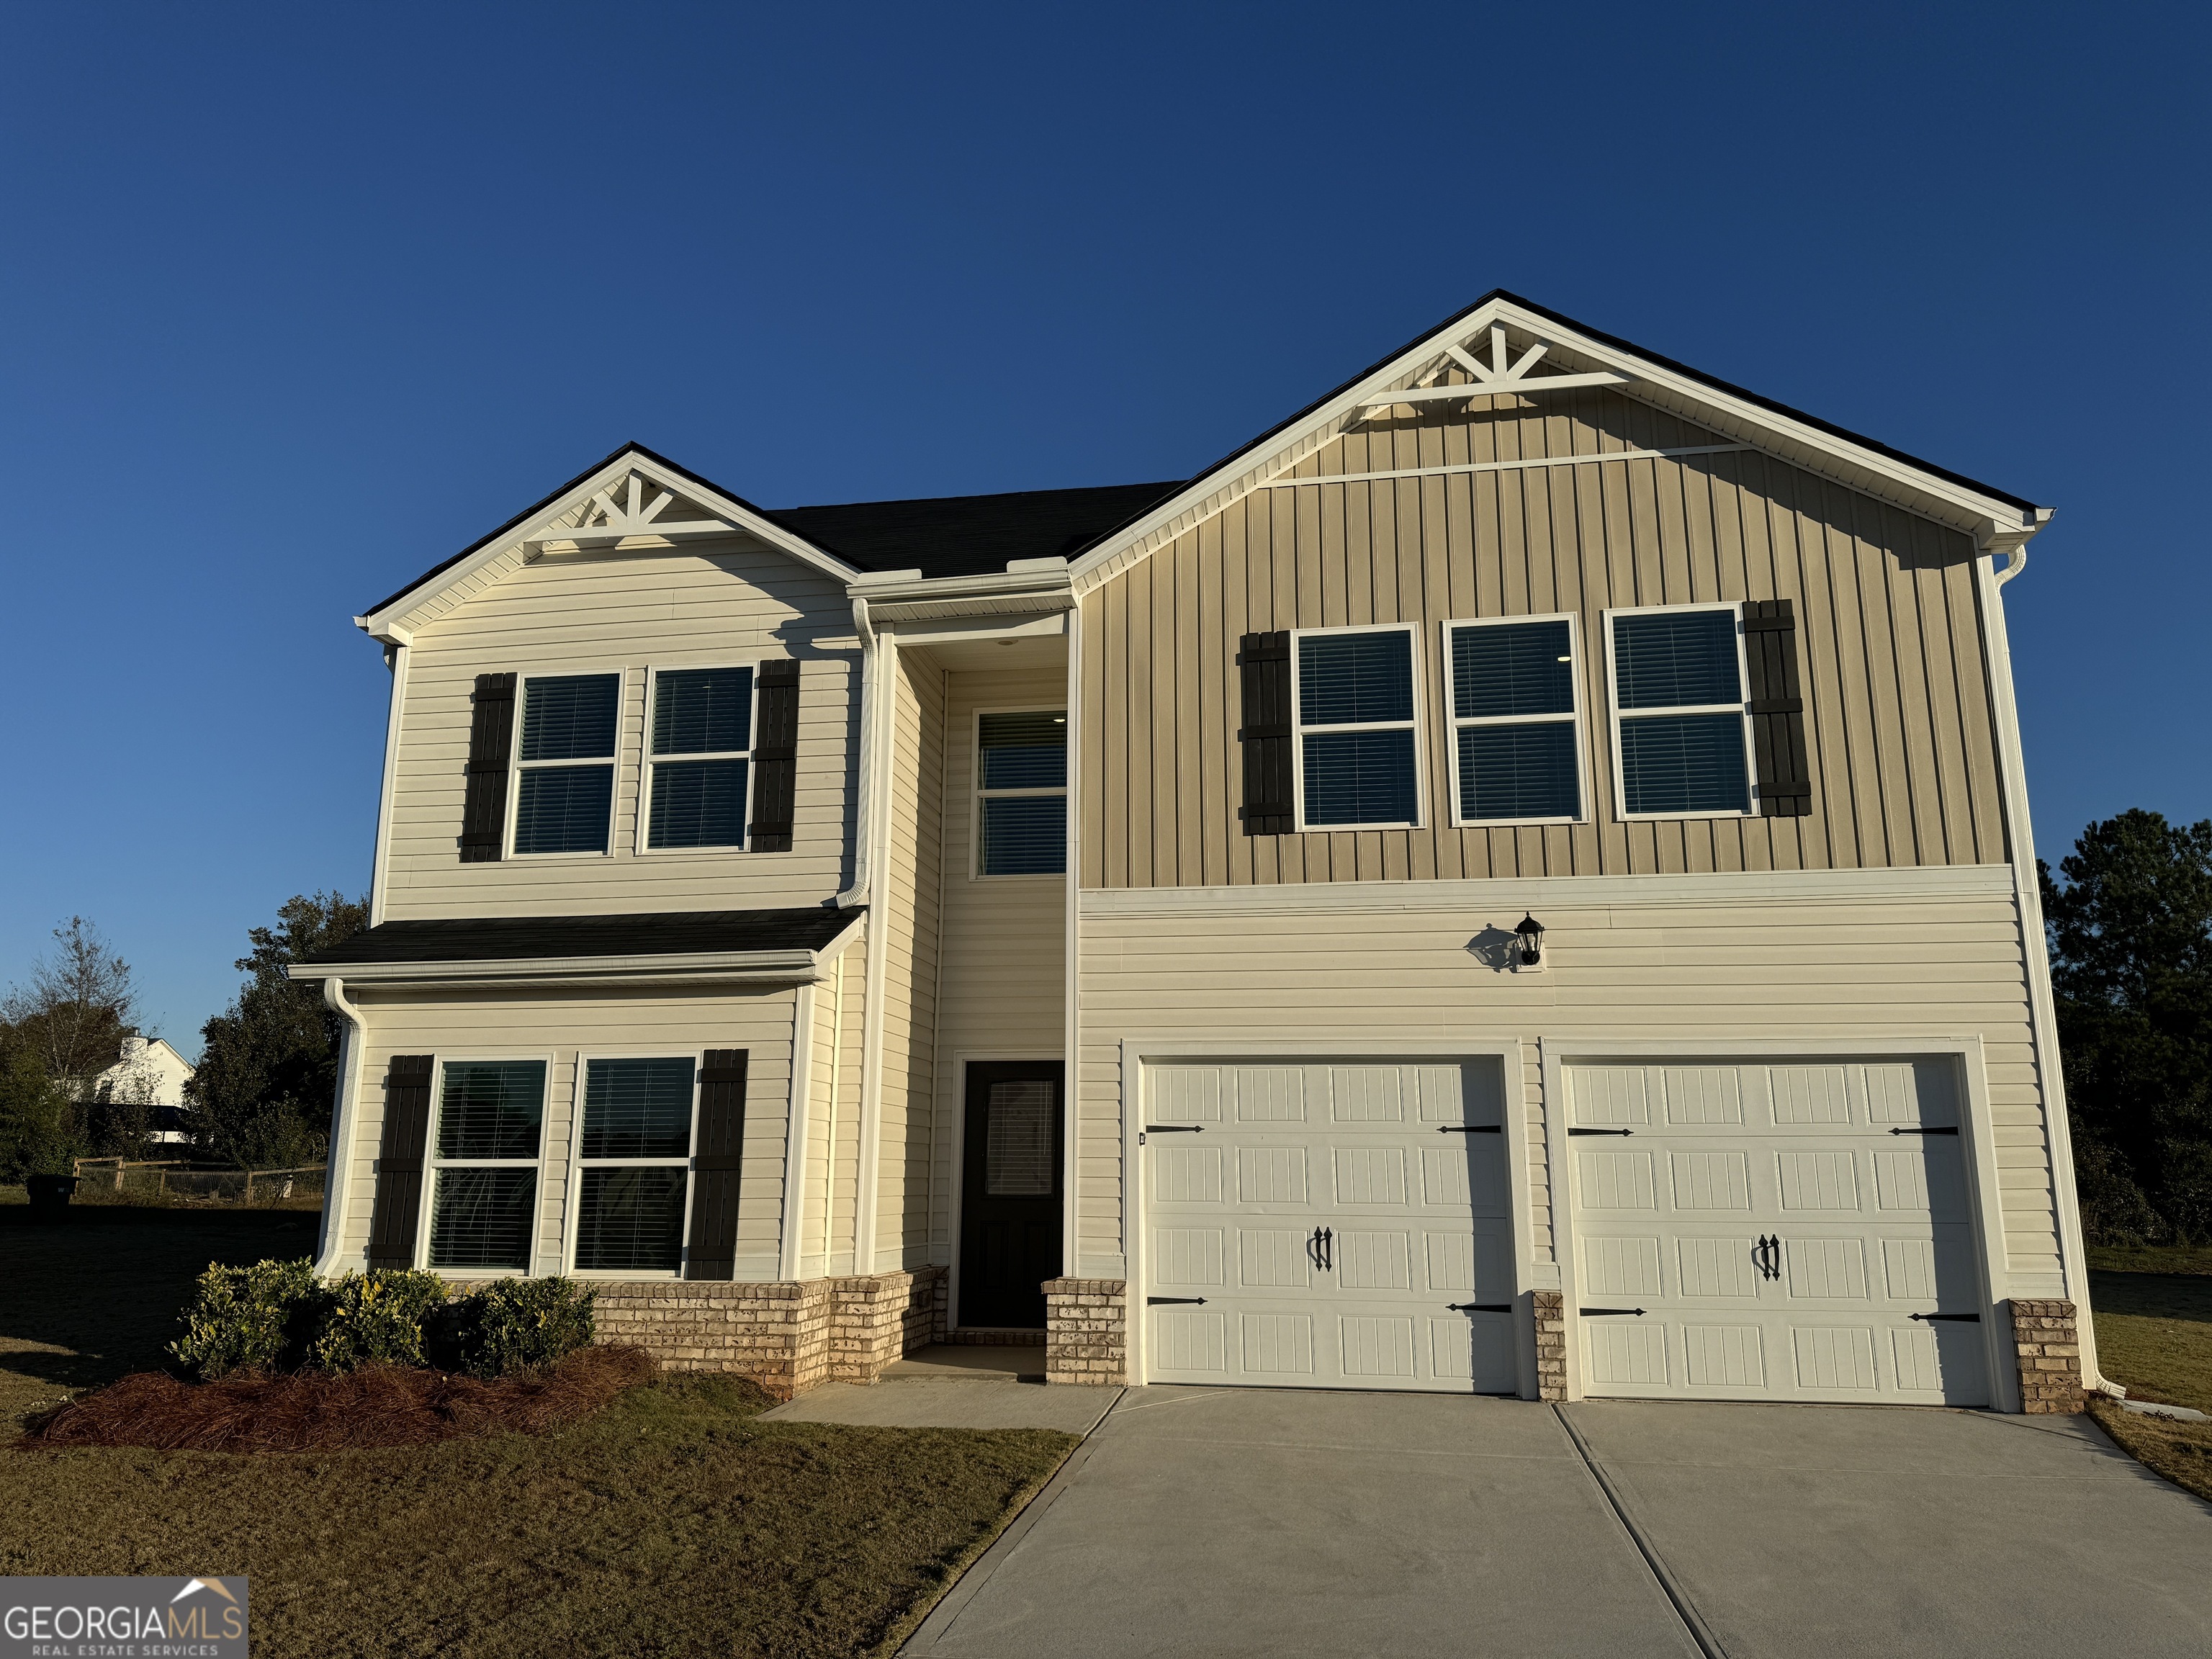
[1086, 1330]
[1550, 1307]
[2048, 1343]
[788, 1337]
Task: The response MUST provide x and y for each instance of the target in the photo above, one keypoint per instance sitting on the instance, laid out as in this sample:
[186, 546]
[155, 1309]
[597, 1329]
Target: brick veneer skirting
[787, 1338]
[1086, 1330]
[1550, 1307]
[2048, 1343]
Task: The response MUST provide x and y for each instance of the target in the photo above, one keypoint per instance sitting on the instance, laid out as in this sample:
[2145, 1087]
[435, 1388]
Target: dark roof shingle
[507, 938]
[970, 535]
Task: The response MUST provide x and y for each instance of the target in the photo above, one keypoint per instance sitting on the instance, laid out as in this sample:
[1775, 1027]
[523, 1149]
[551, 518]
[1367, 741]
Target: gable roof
[970, 535]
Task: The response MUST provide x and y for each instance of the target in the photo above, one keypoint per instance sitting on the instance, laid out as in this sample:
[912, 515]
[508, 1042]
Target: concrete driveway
[1247, 1521]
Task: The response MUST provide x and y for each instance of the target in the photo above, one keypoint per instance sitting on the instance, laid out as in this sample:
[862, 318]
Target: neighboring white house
[150, 1072]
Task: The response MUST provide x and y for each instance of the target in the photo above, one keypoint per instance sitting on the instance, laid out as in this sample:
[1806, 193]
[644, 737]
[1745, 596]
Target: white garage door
[1780, 1230]
[1327, 1225]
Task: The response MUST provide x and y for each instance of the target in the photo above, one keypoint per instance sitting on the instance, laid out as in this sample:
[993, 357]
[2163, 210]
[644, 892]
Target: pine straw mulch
[312, 1411]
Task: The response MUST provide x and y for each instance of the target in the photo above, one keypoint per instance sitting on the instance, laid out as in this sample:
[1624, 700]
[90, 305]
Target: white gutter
[735, 968]
[335, 1181]
[2028, 897]
[396, 657]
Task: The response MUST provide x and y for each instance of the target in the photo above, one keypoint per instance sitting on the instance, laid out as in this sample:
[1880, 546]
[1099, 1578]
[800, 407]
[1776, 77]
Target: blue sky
[299, 301]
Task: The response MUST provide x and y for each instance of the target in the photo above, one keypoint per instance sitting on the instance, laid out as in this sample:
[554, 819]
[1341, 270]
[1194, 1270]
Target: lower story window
[633, 1151]
[483, 1207]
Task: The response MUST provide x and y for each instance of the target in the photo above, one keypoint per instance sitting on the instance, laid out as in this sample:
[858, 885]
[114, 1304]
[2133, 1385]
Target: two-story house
[1517, 879]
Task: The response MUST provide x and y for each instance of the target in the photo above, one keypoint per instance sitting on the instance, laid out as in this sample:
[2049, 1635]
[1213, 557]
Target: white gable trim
[1992, 522]
[394, 623]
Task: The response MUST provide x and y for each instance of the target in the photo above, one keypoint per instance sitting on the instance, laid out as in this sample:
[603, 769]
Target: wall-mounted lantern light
[1531, 935]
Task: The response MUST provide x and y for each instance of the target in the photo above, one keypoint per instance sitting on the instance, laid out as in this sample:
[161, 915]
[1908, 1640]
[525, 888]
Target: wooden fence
[166, 1179]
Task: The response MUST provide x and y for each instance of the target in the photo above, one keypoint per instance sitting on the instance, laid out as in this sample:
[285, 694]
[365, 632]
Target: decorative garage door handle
[1767, 1256]
[1320, 1250]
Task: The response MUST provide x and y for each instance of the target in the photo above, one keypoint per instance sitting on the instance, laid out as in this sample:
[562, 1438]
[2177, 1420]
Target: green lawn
[2153, 1315]
[676, 1522]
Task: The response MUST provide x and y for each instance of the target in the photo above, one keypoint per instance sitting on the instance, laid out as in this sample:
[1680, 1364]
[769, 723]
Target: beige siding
[1900, 720]
[559, 1027]
[909, 906]
[1002, 988]
[1886, 971]
[579, 613]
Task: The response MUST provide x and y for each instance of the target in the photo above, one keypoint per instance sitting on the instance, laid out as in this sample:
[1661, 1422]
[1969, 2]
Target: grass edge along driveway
[2154, 1319]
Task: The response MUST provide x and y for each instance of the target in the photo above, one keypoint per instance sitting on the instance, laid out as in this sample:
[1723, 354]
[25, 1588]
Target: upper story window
[633, 1151]
[564, 796]
[1681, 729]
[698, 761]
[483, 1205]
[1021, 793]
[1357, 750]
[1517, 736]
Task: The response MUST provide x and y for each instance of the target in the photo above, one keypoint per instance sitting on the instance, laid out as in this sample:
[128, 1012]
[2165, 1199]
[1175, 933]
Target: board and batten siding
[909, 908]
[561, 1026]
[1899, 720]
[1001, 994]
[1885, 971]
[583, 613]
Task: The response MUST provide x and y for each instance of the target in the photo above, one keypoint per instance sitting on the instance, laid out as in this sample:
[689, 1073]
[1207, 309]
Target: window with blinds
[1682, 732]
[1358, 752]
[1517, 726]
[1021, 793]
[564, 784]
[633, 1152]
[698, 761]
[1017, 1160]
[485, 1153]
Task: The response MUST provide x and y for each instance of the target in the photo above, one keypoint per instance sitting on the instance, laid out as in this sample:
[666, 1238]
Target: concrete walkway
[1229, 1522]
[956, 1387]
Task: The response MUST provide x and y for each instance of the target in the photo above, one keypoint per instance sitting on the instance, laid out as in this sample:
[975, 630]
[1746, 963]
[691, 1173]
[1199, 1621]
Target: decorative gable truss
[633, 508]
[1497, 378]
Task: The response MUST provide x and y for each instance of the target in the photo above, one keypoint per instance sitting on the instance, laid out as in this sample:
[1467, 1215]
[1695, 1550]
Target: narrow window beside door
[1358, 754]
[1021, 804]
[565, 770]
[490, 1117]
[1517, 738]
[1679, 727]
[698, 763]
[633, 1150]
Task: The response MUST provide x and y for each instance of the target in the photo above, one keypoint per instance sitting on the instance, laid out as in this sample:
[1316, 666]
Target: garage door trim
[1139, 1053]
[1977, 1140]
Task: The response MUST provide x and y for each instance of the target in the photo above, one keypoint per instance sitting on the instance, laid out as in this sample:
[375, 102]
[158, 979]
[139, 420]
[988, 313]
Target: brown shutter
[775, 756]
[491, 744]
[1265, 734]
[1777, 708]
[716, 1148]
[398, 1213]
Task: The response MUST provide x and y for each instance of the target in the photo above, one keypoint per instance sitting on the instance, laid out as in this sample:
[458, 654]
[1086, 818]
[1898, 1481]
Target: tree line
[260, 1099]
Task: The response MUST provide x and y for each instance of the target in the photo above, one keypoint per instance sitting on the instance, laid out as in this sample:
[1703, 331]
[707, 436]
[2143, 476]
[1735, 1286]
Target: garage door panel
[1358, 1224]
[1795, 1249]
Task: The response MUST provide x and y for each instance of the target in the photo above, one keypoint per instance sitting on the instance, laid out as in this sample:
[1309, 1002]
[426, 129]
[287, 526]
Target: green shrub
[259, 1318]
[376, 1318]
[516, 1325]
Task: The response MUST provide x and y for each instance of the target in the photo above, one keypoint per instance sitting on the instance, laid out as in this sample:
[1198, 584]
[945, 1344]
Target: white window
[484, 1155]
[634, 1119]
[564, 780]
[1516, 721]
[1358, 752]
[698, 764]
[1681, 726]
[1021, 792]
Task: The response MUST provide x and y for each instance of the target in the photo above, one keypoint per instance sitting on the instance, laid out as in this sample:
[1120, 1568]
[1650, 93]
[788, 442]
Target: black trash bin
[49, 1195]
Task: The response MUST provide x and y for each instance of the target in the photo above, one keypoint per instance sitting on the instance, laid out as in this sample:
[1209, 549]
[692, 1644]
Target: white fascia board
[753, 967]
[393, 624]
[1940, 499]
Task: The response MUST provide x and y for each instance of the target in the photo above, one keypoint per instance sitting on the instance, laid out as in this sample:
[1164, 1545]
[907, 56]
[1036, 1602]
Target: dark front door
[1010, 1196]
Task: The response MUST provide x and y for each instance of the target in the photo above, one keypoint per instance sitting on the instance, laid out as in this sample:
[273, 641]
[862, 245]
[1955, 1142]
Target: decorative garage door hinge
[1594, 1313]
[1600, 1132]
[1178, 1301]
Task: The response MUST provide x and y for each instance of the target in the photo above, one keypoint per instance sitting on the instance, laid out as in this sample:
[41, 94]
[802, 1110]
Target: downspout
[395, 661]
[879, 854]
[331, 1238]
[1071, 1262]
[863, 796]
[2027, 897]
